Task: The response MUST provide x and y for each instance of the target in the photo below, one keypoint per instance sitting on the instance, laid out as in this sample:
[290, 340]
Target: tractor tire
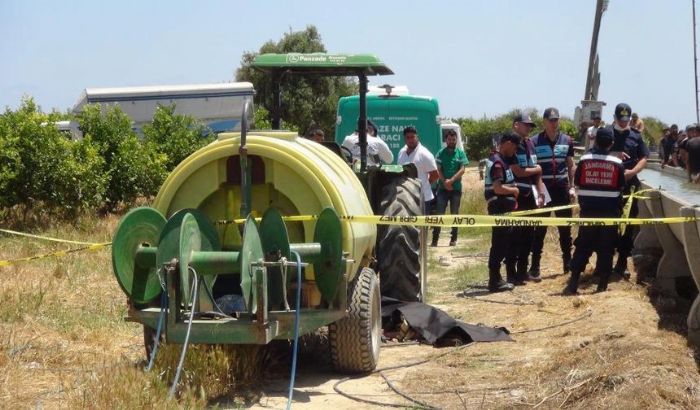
[399, 246]
[355, 340]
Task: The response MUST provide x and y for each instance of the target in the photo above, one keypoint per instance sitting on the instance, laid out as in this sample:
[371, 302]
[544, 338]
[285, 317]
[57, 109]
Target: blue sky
[477, 57]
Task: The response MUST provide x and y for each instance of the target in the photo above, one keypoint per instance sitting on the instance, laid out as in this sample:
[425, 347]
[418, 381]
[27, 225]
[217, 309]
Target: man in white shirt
[592, 130]
[415, 153]
[377, 150]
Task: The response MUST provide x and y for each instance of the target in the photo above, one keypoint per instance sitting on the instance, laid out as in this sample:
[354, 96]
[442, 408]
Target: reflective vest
[600, 179]
[508, 178]
[525, 158]
[552, 159]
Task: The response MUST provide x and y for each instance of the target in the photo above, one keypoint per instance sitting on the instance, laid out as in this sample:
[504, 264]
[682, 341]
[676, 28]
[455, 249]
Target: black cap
[510, 136]
[623, 112]
[524, 117]
[371, 124]
[604, 136]
[551, 113]
[595, 115]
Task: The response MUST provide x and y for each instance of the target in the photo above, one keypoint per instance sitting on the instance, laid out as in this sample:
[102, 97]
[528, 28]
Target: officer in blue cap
[629, 146]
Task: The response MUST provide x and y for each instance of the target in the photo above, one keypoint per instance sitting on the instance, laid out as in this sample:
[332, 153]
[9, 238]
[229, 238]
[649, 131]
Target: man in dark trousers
[501, 197]
[451, 161]
[629, 146]
[527, 174]
[600, 179]
[555, 154]
[692, 149]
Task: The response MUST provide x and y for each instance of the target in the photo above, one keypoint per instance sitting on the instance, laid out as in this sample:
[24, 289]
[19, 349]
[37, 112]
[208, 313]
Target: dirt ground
[624, 348]
[63, 343]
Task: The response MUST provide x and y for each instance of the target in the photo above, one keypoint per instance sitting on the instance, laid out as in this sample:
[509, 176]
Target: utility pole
[591, 92]
[695, 67]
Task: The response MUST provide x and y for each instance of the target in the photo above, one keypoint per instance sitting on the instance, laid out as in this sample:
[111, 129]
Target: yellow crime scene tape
[517, 218]
[486, 220]
[542, 210]
[627, 209]
[64, 252]
[88, 246]
[45, 238]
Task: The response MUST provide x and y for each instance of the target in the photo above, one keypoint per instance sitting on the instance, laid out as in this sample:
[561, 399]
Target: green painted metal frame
[184, 241]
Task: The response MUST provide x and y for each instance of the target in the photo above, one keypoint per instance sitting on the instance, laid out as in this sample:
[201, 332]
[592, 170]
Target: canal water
[677, 186]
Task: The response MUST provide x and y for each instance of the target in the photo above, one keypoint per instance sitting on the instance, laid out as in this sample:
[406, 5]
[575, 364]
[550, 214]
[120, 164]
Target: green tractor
[392, 190]
[223, 256]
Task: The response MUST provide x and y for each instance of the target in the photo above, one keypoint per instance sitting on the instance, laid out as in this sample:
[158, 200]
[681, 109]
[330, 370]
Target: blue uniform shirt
[524, 157]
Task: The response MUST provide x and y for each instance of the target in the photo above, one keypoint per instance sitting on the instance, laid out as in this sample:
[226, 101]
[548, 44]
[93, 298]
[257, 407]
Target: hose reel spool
[145, 241]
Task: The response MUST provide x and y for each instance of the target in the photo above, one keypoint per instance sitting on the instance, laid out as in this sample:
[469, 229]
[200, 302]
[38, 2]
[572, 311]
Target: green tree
[133, 168]
[175, 136]
[481, 133]
[307, 101]
[40, 166]
[653, 130]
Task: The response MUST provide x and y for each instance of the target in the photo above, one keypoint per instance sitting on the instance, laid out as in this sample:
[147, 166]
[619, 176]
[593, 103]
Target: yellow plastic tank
[293, 174]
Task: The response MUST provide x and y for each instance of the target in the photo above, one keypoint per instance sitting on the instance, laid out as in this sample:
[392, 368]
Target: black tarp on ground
[435, 326]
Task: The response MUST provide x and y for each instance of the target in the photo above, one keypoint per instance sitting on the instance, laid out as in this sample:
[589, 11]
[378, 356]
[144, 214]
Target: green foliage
[261, 119]
[307, 101]
[38, 165]
[481, 132]
[133, 168]
[653, 130]
[175, 136]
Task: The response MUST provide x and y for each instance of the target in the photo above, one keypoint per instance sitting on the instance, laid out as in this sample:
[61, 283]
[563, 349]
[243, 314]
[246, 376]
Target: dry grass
[64, 342]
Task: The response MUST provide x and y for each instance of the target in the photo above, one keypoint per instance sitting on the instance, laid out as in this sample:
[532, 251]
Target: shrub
[175, 136]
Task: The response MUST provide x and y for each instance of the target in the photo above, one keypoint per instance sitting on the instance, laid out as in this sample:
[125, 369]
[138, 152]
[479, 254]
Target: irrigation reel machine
[198, 267]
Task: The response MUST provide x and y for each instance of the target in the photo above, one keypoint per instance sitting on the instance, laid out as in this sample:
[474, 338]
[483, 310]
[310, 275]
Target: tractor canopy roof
[322, 63]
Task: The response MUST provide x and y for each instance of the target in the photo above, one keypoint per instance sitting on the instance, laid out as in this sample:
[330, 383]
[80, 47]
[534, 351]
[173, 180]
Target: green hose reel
[145, 242]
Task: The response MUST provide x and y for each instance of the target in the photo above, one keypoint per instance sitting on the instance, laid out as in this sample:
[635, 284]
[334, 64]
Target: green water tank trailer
[192, 227]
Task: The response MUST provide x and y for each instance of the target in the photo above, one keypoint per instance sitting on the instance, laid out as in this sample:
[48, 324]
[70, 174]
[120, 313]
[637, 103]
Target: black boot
[496, 282]
[621, 267]
[603, 282]
[513, 275]
[566, 259]
[572, 287]
[534, 271]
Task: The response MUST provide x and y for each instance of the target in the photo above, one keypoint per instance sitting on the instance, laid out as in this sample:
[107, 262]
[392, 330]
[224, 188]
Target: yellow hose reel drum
[291, 174]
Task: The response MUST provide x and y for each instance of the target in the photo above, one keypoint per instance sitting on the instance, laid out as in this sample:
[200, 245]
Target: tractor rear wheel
[398, 246]
[355, 340]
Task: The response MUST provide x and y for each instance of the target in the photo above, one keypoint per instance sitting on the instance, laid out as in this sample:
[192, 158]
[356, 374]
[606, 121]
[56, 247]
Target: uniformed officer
[501, 197]
[555, 154]
[600, 179]
[629, 146]
[527, 174]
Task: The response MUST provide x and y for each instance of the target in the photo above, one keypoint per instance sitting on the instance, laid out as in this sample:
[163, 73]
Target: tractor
[247, 240]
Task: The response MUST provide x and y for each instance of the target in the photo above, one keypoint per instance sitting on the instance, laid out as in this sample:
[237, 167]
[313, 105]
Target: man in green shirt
[450, 164]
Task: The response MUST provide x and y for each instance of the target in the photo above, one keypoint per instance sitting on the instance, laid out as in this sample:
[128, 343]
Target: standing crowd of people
[682, 150]
[527, 172]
